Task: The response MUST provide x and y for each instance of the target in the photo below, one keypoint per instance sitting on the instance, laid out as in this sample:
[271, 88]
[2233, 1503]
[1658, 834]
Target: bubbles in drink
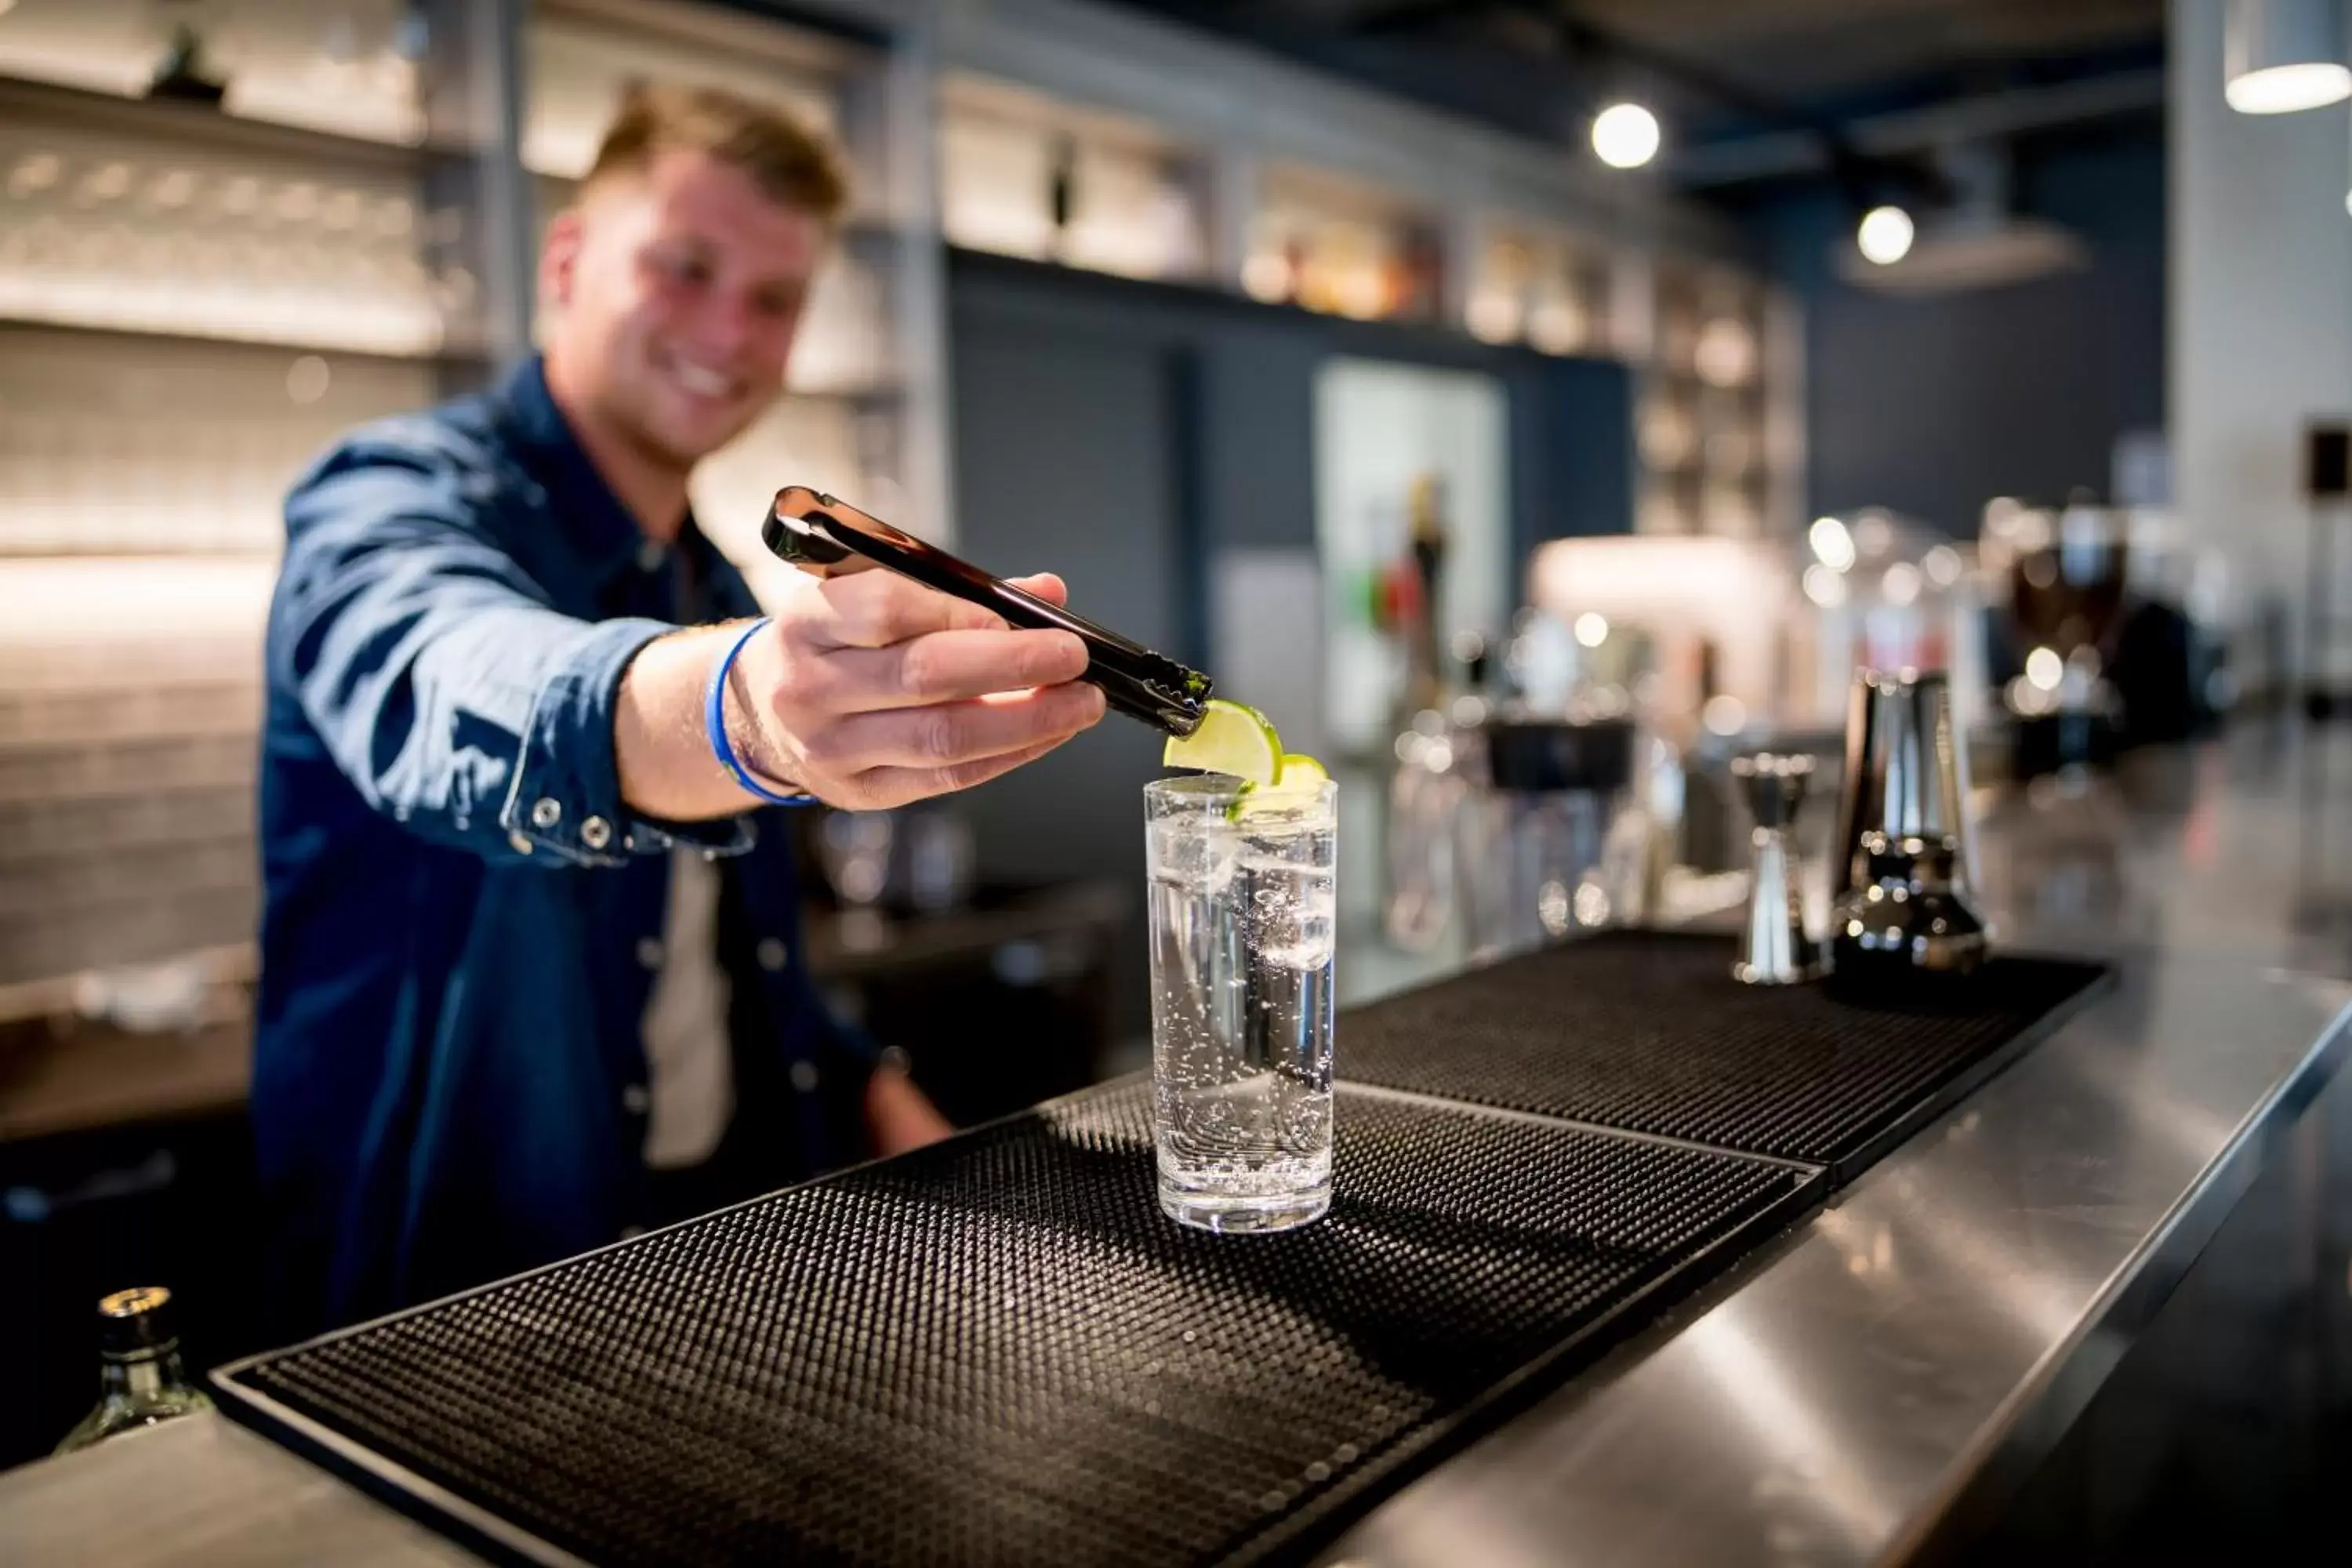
[1241, 915]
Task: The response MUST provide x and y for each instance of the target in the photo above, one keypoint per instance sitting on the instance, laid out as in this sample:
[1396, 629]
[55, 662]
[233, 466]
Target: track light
[1625, 135]
[1885, 235]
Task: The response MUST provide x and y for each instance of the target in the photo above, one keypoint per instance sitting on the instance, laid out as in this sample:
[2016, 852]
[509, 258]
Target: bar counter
[1872, 1382]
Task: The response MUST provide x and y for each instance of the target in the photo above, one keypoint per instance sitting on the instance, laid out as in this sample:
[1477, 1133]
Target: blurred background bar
[1526, 461]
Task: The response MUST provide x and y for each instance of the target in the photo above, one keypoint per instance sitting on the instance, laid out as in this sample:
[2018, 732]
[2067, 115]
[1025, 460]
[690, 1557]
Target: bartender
[531, 960]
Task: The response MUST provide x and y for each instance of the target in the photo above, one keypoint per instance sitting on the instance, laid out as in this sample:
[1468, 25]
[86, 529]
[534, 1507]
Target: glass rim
[1213, 801]
[1218, 789]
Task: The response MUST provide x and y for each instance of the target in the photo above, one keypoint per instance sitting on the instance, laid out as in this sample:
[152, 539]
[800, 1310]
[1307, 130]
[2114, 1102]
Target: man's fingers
[877, 608]
[888, 787]
[1045, 585]
[944, 667]
[948, 733]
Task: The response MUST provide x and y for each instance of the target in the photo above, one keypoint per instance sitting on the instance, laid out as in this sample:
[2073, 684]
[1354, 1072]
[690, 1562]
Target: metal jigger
[1775, 950]
[1906, 905]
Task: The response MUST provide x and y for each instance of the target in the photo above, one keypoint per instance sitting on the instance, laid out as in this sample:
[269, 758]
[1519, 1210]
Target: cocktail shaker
[1906, 901]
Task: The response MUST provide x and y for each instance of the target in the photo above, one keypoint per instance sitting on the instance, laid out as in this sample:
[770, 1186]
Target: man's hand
[899, 1115]
[870, 691]
[874, 691]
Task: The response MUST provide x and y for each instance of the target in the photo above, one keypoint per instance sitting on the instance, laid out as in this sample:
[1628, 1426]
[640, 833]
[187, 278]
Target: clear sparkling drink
[1241, 917]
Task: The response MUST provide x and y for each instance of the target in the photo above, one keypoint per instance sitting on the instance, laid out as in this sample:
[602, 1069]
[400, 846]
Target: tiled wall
[139, 488]
[129, 695]
[131, 443]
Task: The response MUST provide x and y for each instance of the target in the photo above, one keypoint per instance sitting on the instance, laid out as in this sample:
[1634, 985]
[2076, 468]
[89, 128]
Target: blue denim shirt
[462, 917]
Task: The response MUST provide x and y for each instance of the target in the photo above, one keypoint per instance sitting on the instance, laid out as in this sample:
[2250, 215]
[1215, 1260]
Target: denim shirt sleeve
[436, 673]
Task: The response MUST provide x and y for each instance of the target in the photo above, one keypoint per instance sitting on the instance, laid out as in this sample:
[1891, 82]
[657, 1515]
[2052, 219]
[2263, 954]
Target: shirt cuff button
[546, 813]
[635, 1100]
[770, 954]
[649, 953]
[595, 833]
[804, 1077]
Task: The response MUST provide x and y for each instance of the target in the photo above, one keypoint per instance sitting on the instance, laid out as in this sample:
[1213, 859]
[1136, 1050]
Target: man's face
[675, 295]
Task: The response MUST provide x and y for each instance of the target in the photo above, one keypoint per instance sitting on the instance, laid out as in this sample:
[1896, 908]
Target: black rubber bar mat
[1647, 1032]
[998, 1350]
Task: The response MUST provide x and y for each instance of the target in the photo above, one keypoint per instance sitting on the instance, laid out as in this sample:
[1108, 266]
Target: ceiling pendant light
[2281, 55]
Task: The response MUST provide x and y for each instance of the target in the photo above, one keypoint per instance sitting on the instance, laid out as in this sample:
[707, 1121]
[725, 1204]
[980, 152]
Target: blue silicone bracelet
[714, 724]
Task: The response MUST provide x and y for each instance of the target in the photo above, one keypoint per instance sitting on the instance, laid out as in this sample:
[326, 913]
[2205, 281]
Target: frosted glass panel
[1379, 427]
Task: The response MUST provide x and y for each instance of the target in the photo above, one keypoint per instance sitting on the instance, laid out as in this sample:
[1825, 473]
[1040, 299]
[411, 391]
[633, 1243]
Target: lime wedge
[1232, 739]
[1300, 777]
[1300, 773]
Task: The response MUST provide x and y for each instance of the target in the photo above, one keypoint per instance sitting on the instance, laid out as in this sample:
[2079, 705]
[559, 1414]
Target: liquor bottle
[1422, 569]
[140, 1380]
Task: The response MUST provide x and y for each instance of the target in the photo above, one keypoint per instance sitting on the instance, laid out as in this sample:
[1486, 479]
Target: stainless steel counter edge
[1888, 1375]
[2054, 1396]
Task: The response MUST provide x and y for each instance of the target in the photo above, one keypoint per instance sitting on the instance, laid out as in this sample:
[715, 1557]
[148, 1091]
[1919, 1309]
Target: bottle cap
[136, 1323]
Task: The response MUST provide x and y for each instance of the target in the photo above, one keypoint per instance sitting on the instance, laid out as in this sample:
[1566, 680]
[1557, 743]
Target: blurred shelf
[1373, 334]
[456, 356]
[106, 550]
[872, 393]
[76, 1076]
[30, 1003]
[196, 125]
[862, 229]
[61, 1073]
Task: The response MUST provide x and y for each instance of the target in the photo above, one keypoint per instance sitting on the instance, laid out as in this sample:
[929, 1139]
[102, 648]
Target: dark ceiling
[1718, 72]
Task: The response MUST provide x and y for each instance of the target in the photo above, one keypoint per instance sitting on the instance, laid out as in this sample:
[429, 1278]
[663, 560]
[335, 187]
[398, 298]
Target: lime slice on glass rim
[1241, 742]
[1232, 739]
[1294, 786]
[1300, 775]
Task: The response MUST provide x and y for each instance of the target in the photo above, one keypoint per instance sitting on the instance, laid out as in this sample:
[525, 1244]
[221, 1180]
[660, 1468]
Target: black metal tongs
[829, 538]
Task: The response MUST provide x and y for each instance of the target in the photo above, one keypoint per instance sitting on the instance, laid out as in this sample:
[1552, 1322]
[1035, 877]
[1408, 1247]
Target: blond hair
[792, 165]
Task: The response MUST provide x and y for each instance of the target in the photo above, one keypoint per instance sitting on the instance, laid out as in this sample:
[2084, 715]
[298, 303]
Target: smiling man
[530, 975]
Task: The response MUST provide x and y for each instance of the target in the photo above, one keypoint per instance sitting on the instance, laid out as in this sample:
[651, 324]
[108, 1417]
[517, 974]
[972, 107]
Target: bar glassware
[1242, 906]
[1774, 950]
[1906, 901]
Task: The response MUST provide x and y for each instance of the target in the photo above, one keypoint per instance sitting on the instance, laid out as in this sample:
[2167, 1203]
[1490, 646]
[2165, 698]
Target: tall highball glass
[1241, 918]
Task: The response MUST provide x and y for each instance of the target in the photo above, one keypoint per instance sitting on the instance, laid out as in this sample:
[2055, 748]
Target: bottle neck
[141, 1378]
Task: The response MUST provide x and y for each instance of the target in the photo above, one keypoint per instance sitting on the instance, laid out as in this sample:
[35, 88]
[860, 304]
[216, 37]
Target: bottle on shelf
[140, 1382]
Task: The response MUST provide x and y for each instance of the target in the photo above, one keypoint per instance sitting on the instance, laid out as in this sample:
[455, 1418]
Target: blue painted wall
[1932, 405]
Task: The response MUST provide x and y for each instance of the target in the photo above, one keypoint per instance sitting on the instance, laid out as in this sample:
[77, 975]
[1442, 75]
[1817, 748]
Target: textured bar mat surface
[1647, 1031]
[997, 1351]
